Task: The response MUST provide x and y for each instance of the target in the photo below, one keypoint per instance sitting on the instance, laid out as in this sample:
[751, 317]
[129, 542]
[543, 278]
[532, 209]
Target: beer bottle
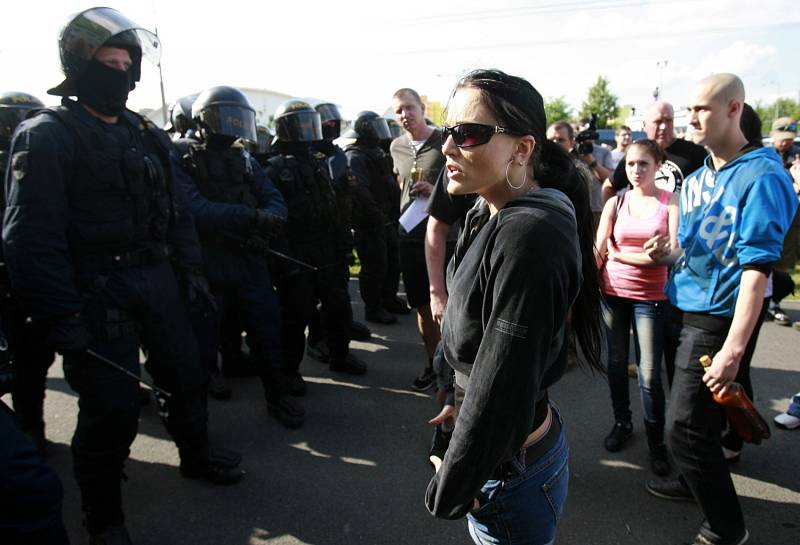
[742, 414]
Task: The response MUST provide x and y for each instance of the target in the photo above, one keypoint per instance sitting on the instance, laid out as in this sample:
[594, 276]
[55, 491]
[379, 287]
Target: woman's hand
[657, 247]
[448, 411]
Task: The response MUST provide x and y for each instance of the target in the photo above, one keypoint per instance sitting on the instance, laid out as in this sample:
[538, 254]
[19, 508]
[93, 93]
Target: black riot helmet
[394, 128]
[180, 116]
[14, 107]
[370, 128]
[224, 111]
[94, 28]
[331, 120]
[264, 137]
[297, 121]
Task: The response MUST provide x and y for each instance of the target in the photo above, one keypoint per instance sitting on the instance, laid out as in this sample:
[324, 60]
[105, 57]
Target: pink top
[633, 281]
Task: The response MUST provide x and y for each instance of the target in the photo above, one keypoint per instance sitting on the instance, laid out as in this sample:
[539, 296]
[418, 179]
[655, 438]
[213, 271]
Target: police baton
[118, 367]
[293, 260]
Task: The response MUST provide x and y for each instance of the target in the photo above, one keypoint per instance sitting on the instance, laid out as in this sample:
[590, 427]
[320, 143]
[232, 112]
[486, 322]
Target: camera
[585, 147]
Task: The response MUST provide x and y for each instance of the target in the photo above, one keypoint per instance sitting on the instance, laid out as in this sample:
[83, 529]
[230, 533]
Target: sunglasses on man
[469, 135]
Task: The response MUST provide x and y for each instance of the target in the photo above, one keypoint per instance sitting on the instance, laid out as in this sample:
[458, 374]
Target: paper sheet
[414, 214]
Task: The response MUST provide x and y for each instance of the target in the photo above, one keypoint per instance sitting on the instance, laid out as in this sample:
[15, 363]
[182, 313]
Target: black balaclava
[103, 88]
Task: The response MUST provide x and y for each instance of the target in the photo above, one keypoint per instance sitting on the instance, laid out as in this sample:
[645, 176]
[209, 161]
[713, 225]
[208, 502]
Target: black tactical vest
[120, 200]
[222, 175]
[382, 182]
[307, 188]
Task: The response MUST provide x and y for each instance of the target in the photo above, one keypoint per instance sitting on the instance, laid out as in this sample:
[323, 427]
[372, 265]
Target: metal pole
[120, 368]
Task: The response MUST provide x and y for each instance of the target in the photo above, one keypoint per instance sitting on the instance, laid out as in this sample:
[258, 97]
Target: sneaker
[659, 461]
[425, 381]
[672, 489]
[620, 433]
[700, 539]
[780, 318]
[380, 316]
[787, 421]
[351, 365]
[439, 443]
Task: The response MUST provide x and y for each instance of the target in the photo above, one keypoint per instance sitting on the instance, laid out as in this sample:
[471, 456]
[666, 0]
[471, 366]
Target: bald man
[735, 211]
[683, 157]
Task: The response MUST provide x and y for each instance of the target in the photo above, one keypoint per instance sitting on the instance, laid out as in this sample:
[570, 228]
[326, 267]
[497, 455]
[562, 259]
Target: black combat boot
[348, 364]
[359, 331]
[379, 316]
[280, 404]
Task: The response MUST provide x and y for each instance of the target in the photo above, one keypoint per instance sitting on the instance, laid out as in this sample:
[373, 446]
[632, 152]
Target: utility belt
[112, 261]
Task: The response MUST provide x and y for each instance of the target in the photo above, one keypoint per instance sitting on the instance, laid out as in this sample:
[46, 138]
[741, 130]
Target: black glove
[69, 334]
[256, 244]
[198, 292]
[268, 224]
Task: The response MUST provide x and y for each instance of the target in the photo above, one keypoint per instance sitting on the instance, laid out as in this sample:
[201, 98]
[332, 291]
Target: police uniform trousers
[299, 289]
[242, 286]
[127, 308]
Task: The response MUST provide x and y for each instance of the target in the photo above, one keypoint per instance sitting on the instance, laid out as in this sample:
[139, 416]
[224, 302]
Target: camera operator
[596, 158]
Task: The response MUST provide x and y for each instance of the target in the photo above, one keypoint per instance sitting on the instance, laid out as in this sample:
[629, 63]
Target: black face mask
[103, 88]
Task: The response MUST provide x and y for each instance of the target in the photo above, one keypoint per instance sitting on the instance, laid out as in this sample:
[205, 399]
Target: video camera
[585, 147]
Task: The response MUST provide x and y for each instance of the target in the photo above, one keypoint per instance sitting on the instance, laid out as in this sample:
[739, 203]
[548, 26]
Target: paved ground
[356, 473]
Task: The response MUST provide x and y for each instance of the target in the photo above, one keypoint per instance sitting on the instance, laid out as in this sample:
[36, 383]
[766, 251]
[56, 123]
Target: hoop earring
[524, 177]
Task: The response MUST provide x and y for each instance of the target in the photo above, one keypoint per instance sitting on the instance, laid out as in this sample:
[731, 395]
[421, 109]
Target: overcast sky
[358, 53]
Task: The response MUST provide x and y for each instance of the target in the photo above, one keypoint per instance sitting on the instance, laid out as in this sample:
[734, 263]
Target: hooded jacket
[731, 219]
[512, 281]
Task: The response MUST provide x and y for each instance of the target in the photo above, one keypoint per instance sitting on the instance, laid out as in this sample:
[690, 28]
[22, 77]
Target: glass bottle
[741, 412]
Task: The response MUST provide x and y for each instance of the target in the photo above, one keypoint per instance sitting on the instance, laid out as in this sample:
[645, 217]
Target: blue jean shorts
[525, 509]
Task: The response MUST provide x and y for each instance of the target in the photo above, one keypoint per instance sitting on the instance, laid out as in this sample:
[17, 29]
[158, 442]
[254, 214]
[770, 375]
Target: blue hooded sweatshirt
[730, 219]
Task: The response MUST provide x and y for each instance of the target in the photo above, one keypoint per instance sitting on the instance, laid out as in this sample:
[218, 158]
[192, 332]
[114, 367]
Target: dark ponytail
[517, 105]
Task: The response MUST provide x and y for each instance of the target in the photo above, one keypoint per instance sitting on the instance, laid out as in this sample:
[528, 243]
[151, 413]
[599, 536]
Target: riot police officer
[375, 224]
[315, 234]
[94, 215]
[237, 211]
[181, 127]
[32, 358]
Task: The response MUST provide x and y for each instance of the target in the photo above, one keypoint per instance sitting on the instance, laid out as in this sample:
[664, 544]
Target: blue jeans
[525, 509]
[648, 319]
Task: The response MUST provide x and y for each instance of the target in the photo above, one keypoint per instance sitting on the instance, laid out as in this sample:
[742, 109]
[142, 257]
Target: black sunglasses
[469, 135]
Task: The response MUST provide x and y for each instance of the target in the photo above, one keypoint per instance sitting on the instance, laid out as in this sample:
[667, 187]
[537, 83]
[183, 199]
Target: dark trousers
[694, 424]
[300, 289]
[378, 252]
[132, 307]
[30, 492]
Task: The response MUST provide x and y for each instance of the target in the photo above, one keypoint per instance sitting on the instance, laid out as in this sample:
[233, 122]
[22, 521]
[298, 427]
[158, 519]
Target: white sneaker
[787, 421]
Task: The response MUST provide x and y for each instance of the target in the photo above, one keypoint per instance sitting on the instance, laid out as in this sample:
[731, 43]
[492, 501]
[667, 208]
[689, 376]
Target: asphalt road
[357, 471]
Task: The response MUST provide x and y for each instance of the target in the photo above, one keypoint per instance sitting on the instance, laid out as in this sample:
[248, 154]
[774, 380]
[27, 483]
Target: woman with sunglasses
[633, 285]
[522, 280]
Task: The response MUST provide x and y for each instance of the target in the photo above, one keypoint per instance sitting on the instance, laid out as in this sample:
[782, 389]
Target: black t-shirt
[446, 207]
[683, 158]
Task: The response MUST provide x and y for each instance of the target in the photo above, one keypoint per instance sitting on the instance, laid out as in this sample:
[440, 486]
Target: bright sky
[358, 53]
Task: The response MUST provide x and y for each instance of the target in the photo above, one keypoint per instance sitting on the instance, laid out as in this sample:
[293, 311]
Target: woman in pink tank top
[633, 289]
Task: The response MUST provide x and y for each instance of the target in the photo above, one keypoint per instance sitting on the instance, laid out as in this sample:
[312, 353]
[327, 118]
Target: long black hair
[518, 106]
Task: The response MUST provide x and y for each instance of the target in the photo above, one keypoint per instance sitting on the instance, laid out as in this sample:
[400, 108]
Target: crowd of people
[515, 240]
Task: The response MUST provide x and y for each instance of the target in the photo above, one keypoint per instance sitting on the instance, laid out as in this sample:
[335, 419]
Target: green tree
[783, 107]
[557, 109]
[602, 101]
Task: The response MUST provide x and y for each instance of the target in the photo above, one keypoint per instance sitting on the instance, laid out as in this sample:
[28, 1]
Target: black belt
[532, 453]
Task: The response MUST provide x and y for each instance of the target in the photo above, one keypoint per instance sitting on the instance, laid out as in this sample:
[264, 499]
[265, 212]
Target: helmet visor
[381, 128]
[91, 29]
[230, 120]
[299, 127]
[329, 112]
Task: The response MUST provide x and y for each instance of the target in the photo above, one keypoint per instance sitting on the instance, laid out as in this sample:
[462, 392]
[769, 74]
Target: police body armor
[382, 183]
[120, 200]
[308, 190]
